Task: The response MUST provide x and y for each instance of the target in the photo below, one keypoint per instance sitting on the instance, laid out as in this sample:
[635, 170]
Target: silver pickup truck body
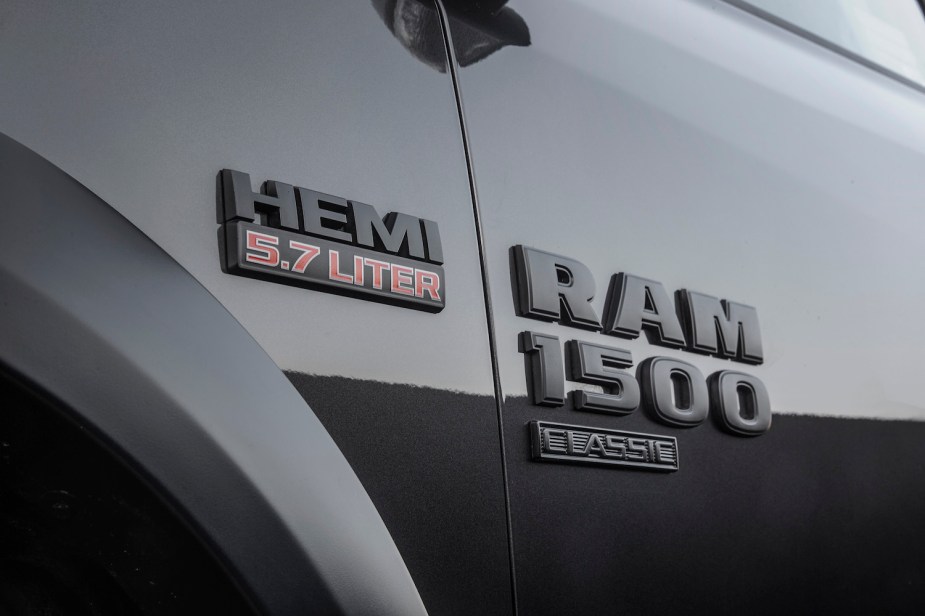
[648, 333]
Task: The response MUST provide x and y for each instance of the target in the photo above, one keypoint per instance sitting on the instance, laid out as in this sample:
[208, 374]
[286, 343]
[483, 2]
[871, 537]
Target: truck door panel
[696, 145]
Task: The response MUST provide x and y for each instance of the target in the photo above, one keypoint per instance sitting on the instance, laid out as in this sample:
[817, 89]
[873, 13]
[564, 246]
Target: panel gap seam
[483, 265]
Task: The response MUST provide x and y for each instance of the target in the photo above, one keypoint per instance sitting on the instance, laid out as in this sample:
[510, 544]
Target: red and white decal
[309, 253]
[378, 268]
[358, 271]
[427, 281]
[265, 247]
[277, 252]
[334, 268]
[402, 275]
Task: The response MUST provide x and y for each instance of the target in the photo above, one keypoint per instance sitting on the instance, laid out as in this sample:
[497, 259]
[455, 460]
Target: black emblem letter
[389, 235]
[549, 283]
[324, 215]
[635, 303]
[740, 403]
[598, 364]
[722, 328]
[544, 369]
[674, 391]
[432, 241]
[242, 203]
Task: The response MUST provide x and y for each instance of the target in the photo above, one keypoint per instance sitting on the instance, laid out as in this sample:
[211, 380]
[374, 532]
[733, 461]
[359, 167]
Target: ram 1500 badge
[555, 288]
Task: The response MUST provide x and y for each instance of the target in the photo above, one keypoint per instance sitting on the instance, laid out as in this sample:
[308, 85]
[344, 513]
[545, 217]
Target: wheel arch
[97, 316]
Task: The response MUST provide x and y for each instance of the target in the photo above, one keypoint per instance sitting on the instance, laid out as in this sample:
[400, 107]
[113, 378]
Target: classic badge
[553, 442]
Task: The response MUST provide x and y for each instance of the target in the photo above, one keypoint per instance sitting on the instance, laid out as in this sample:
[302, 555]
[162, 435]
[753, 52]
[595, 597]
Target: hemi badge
[552, 442]
[296, 236]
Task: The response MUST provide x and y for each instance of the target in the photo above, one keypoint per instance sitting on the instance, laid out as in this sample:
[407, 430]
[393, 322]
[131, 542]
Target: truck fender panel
[96, 315]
